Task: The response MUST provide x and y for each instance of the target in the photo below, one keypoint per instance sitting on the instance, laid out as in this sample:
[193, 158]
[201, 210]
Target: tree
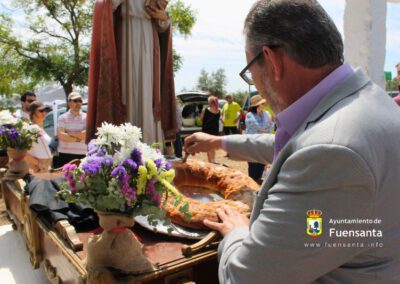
[183, 19]
[56, 49]
[57, 41]
[204, 82]
[240, 97]
[11, 69]
[214, 83]
[392, 85]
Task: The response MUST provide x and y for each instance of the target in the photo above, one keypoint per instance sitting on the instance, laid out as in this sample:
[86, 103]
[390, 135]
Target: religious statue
[131, 68]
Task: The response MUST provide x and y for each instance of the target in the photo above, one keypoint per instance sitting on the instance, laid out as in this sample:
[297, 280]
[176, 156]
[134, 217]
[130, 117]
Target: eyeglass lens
[248, 78]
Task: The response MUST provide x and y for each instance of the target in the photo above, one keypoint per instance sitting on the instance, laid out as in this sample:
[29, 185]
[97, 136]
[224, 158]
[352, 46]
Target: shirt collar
[294, 115]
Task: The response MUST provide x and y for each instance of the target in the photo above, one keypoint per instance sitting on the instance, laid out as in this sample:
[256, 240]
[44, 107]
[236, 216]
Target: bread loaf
[236, 188]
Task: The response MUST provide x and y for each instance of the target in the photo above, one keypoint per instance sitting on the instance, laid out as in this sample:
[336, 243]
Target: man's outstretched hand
[230, 219]
[201, 142]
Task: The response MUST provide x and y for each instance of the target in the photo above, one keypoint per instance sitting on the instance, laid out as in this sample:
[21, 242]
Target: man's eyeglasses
[76, 101]
[245, 73]
[30, 101]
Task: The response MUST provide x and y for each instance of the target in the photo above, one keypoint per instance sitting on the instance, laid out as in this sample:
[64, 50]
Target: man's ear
[275, 57]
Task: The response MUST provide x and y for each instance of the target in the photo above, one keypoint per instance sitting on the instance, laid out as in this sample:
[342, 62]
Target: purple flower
[92, 167]
[107, 161]
[128, 191]
[118, 171]
[136, 156]
[92, 147]
[14, 134]
[67, 168]
[168, 166]
[152, 192]
[158, 162]
[130, 163]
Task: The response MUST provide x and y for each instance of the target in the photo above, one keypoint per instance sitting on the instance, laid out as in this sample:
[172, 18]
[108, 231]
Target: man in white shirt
[71, 131]
[26, 99]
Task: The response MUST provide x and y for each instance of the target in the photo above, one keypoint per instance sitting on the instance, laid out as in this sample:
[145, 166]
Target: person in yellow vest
[231, 112]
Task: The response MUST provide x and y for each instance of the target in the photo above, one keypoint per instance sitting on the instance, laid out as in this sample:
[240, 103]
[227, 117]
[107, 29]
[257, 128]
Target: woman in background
[257, 121]
[39, 157]
[210, 122]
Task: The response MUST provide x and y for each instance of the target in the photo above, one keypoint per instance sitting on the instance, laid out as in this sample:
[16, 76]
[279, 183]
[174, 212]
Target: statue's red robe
[105, 100]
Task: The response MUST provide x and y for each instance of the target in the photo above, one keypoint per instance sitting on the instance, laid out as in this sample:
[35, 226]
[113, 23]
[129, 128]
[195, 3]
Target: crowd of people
[71, 133]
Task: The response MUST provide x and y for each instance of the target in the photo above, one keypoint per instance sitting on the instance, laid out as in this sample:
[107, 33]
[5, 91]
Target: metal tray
[178, 231]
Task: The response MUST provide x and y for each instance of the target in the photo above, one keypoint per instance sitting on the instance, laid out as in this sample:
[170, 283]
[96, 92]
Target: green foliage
[178, 60]
[182, 17]
[214, 83]
[240, 97]
[185, 210]
[12, 80]
[392, 85]
[203, 82]
[58, 47]
[58, 43]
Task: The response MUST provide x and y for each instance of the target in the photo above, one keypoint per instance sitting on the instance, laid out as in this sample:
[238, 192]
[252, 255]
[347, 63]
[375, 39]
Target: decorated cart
[128, 186]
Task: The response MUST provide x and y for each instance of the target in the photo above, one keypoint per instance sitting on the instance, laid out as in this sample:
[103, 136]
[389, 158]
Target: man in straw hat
[328, 210]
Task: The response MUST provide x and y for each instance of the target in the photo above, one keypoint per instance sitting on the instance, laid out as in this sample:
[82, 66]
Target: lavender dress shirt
[290, 119]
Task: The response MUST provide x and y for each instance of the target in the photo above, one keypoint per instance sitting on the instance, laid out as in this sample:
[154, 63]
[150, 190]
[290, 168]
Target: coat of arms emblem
[314, 223]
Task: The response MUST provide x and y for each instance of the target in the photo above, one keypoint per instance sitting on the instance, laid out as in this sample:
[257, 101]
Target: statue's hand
[157, 13]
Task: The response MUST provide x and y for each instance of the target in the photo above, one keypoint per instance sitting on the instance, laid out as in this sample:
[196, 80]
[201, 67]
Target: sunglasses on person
[76, 101]
[43, 110]
[245, 74]
[30, 101]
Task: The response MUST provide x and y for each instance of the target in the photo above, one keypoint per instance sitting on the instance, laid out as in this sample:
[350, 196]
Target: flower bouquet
[121, 177]
[17, 136]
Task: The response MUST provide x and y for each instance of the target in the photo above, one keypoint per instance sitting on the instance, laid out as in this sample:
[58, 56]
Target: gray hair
[397, 65]
[304, 29]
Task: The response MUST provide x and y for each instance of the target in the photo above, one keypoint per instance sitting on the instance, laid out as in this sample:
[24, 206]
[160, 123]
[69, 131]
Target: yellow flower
[151, 168]
[169, 187]
[142, 180]
[168, 175]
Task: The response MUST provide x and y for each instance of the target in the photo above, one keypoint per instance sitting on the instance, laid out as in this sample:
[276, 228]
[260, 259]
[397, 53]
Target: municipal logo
[314, 223]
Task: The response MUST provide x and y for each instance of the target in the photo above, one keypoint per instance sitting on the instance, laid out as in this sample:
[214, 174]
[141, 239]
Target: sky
[217, 40]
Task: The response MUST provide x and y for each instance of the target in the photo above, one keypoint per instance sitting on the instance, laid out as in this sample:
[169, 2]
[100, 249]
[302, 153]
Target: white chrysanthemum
[7, 118]
[32, 128]
[108, 134]
[148, 152]
[131, 135]
[121, 155]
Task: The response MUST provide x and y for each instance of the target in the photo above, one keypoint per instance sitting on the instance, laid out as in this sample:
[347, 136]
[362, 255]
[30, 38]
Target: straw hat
[256, 101]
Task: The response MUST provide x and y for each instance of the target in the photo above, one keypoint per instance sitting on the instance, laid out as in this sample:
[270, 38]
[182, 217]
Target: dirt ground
[220, 159]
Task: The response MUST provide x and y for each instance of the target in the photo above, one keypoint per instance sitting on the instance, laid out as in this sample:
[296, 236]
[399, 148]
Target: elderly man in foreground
[328, 209]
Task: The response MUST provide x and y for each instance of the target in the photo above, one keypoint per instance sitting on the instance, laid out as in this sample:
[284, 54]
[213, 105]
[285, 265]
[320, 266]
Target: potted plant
[121, 177]
[16, 136]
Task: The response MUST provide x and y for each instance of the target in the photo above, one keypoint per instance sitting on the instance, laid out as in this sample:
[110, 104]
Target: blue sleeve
[251, 124]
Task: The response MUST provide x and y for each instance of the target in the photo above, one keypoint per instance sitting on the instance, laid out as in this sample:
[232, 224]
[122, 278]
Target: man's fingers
[213, 225]
[221, 214]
